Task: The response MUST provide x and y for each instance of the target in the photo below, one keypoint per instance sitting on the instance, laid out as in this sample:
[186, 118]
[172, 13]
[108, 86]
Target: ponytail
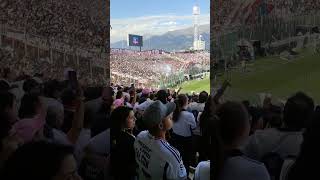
[180, 102]
[229, 121]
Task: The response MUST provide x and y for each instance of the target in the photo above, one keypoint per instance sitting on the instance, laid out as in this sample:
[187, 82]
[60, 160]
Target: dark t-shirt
[123, 157]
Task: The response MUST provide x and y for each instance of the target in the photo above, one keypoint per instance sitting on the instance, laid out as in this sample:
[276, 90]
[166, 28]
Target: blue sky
[138, 8]
[153, 17]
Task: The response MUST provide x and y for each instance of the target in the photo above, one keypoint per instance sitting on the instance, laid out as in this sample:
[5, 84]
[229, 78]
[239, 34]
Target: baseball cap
[157, 111]
[144, 105]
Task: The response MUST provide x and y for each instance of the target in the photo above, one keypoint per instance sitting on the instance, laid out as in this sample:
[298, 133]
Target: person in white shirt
[197, 108]
[156, 158]
[181, 136]
[284, 141]
[229, 127]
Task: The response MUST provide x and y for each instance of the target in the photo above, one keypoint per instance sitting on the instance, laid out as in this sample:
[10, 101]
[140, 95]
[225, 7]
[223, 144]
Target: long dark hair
[28, 105]
[225, 126]
[180, 102]
[118, 119]
[208, 112]
[304, 165]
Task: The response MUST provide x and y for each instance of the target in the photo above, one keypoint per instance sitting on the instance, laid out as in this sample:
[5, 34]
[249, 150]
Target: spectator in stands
[197, 108]
[256, 119]
[145, 95]
[284, 141]
[32, 86]
[98, 111]
[162, 96]
[4, 86]
[53, 89]
[230, 127]
[199, 105]
[272, 117]
[122, 150]
[144, 101]
[181, 136]
[204, 117]
[42, 160]
[304, 167]
[9, 142]
[30, 106]
[8, 108]
[55, 114]
[68, 98]
[32, 115]
[156, 158]
[119, 95]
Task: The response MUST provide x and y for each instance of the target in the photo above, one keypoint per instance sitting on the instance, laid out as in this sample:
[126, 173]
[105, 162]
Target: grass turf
[273, 75]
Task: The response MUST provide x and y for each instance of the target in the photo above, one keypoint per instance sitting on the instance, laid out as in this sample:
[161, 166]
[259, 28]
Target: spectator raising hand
[77, 122]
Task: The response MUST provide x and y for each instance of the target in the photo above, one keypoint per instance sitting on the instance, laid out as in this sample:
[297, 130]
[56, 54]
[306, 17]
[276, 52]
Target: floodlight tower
[196, 13]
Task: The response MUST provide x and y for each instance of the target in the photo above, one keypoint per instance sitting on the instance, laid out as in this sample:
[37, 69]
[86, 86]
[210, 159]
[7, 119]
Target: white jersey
[185, 124]
[157, 160]
[239, 167]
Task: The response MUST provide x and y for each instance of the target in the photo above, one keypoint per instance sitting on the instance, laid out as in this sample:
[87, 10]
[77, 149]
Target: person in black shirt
[122, 150]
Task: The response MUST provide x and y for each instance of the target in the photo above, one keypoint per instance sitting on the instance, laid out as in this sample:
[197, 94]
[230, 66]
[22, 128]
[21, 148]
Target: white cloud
[151, 25]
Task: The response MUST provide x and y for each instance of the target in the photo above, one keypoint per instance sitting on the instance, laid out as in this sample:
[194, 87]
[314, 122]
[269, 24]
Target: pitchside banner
[135, 40]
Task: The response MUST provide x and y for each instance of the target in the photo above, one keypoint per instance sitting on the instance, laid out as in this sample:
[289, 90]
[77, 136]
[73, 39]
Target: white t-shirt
[238, 167]
[285, 143]
[82, 142]
[197, 130]
[196, 106]
[185, 124]
[50, 102]
[157, 160]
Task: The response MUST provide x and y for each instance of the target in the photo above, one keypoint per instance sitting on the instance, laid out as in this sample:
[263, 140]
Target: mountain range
[171, 41]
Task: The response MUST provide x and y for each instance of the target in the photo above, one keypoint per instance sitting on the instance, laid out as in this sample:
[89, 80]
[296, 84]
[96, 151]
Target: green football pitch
[281, 78]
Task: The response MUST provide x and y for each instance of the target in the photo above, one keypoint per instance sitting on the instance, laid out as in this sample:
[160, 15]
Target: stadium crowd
[53, 126]
[29, 66]
[53, 129]
[297, 7]
[127, 64]
[67, 22]
[233, 13]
